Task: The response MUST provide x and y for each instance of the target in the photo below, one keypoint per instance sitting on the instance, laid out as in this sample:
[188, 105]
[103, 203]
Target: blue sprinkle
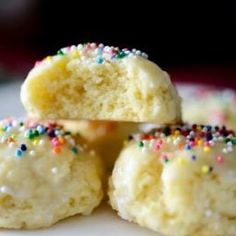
[193, 157]
[40, 129]
[7, 128]
[19, 153]
[233, 141]
[23, 147]
[99, 60]
[208, 128]
[187, 147]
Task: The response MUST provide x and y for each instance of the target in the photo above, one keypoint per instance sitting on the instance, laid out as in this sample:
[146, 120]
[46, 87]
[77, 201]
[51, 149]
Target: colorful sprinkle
[60, 52]
[54, 170]
[205, 169]
[56, 150]
[32, 153]
[141, 144]
[75, 150]
[206, 149]
[192, 138]
[19, 153]
[99, 60]
[23, 147]
[95, 52]
[35, 136]
[220, 159]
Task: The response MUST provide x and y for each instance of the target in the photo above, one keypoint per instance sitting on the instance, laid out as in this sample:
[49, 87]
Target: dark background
[194, 41]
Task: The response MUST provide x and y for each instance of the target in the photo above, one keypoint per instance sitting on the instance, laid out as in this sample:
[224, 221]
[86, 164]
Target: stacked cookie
[52, 164]
[175, 179]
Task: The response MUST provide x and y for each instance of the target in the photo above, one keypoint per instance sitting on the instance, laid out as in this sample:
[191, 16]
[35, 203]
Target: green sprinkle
[227, 140]
[30, 134]
[36, 133]
[121, 54]
[167, 131]
[74, 150]
[166, 161]
[60, 52]
[140, 144]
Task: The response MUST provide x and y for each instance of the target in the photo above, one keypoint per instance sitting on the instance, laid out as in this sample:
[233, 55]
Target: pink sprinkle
[192, 143]
[55, 142]
[163, 157]
[157, 146]
[206, 144]
[68, 49]
[37, 63]
[160, 142]
[220, 159]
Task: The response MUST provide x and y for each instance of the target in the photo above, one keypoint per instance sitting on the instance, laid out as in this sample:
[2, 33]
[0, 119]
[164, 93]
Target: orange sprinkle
[61, 140]
[56, 150]
[181, 145]
[177, 132]
[10, 139]
[200, 142]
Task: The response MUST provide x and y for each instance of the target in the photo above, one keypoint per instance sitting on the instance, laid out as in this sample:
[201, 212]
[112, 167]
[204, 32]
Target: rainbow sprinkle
[99, 53]
[187, 138]
[26, 138]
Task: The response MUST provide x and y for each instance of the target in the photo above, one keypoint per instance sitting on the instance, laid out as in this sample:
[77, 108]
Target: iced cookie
[46, 174]
[97, 82]
[207, 105]
[178, 180]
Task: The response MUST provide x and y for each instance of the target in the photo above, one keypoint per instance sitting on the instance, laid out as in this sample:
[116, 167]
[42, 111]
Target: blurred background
[194, 42]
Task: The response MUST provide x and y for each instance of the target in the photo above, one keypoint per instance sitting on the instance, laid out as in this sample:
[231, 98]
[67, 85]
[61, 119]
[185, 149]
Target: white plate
[103, 220]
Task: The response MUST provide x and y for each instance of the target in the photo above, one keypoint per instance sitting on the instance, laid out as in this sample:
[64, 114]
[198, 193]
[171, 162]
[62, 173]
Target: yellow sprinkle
[13, 136]
[75, 54]
[206, 149]
[181, 161]
[48, 58]
[199, 128]
[199, 142]
[36, 142]
[205, 169]
[177, 132]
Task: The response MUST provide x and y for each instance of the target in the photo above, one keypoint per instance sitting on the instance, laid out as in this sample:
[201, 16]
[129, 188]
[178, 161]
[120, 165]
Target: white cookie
[206, 105]
[95, 82]
[46, 174]
[178, 181]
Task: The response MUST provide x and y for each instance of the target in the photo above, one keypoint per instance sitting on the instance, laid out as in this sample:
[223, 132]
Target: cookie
[207, 105]
[178, 180]
[46, 174]
[97, 82]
